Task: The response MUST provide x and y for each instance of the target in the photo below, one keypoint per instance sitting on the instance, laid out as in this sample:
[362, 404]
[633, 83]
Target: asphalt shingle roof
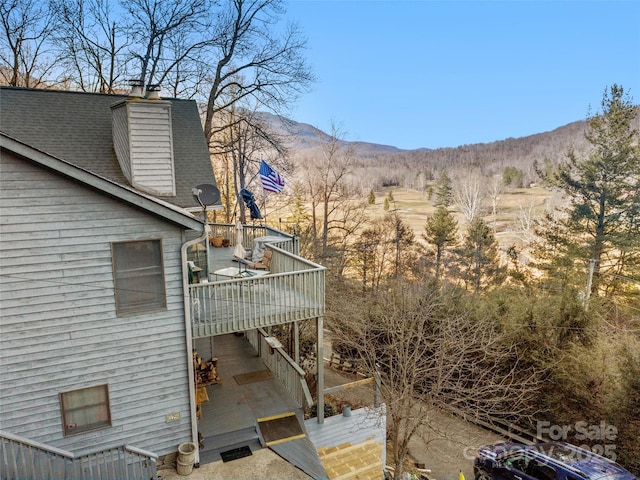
[76, 127]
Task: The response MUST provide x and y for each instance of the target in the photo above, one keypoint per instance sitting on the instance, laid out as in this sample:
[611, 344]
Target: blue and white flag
[271, 180]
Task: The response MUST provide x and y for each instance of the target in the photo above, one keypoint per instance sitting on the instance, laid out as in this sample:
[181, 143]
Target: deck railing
[25, 459]
[293, 290]
[282, 366]
[250, 232]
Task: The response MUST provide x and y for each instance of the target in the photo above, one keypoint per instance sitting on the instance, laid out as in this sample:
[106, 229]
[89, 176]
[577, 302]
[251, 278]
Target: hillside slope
[489, 158]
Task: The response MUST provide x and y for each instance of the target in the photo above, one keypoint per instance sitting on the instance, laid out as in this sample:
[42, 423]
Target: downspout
[188, 336]
[320, 369]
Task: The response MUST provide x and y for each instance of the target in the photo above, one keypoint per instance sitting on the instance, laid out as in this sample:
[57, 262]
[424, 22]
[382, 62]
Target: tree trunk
[598, 243]
[438, 259]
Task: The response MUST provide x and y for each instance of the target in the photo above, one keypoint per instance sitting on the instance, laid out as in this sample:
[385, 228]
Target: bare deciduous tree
[250, 140]
[336, 213]
[26, 28]
[525, 221]
[91, 41]
[494, 190]
[260, 67]
[188, 77]
[468, 196]
[382, 250]
[232, 53]
[163, 34]
[428, 356]
[241, 139]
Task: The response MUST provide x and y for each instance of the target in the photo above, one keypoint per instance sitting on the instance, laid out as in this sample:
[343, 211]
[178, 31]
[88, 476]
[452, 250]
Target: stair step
[215, 444]
[230, 438]
[213, 455]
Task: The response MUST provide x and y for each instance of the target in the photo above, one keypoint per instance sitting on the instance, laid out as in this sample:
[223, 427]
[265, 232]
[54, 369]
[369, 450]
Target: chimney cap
[136, 88]
[153, 91]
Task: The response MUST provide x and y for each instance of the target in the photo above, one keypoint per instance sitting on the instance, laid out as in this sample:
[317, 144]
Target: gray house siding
[59, 330]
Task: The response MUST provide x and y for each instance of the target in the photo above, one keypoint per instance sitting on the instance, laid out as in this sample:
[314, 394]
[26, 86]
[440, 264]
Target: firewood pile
[206, 373]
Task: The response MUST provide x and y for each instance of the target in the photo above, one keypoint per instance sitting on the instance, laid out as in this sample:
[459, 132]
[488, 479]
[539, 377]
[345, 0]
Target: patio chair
[264, 263]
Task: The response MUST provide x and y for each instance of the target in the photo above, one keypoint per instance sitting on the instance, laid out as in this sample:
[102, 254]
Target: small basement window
[138, 274]
[85, 410]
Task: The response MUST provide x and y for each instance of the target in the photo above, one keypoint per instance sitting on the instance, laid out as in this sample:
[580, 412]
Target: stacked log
[206, 373]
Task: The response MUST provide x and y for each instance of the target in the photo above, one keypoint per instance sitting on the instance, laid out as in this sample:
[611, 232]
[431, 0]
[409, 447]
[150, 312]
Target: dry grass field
[414, 207]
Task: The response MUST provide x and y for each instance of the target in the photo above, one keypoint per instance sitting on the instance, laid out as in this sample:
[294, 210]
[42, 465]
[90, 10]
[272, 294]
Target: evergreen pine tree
[480, 266]
[371, 199]
[601, 224]
[444, 190]
[440, 230]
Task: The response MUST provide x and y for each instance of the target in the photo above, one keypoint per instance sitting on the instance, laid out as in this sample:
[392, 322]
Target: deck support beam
[296, 343]
[320, 368]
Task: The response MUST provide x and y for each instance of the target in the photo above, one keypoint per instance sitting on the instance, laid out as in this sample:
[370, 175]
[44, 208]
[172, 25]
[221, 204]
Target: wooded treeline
[448, 318]
[416, 169]
[234, 56]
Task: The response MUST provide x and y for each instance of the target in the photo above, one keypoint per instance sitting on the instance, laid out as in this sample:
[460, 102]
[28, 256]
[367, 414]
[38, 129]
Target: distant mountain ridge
[489, 158]
[307, 136]
[303, 137]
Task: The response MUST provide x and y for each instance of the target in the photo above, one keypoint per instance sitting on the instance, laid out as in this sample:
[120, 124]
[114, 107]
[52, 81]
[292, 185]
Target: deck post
[296, 343]
[320, 368]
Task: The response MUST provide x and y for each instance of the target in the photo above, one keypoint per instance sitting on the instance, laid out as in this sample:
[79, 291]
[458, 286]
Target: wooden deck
[293, 290]
[221, 307]
[230, 416]
[342, 447]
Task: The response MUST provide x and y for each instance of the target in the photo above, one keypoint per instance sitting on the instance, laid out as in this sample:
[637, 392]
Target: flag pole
[271, 182]
[264, 198]
[264, 205]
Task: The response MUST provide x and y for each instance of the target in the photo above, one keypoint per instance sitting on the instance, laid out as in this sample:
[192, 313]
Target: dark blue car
[544, 461]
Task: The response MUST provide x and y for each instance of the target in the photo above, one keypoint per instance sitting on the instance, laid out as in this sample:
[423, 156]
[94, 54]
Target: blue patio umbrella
[250, 202]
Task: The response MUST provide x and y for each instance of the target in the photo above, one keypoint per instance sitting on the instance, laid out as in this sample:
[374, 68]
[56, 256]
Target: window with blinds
[85, 410]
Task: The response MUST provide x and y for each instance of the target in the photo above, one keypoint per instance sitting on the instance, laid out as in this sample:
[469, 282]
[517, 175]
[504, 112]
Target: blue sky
[446, 73]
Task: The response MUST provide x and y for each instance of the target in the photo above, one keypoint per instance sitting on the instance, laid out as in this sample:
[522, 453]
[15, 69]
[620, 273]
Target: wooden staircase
[24, 459]
[362, 461]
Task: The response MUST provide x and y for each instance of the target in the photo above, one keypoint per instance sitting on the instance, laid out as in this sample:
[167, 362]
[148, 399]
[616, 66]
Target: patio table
[234, 272]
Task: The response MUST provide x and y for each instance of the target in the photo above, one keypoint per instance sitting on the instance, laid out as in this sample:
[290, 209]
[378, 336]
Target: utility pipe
[188, 337]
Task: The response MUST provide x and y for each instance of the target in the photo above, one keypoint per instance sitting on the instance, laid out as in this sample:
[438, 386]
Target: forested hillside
[412, 168]
[531, 316]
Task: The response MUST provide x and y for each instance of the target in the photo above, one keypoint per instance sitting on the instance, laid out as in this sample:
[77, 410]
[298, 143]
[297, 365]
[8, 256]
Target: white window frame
[139, 277]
